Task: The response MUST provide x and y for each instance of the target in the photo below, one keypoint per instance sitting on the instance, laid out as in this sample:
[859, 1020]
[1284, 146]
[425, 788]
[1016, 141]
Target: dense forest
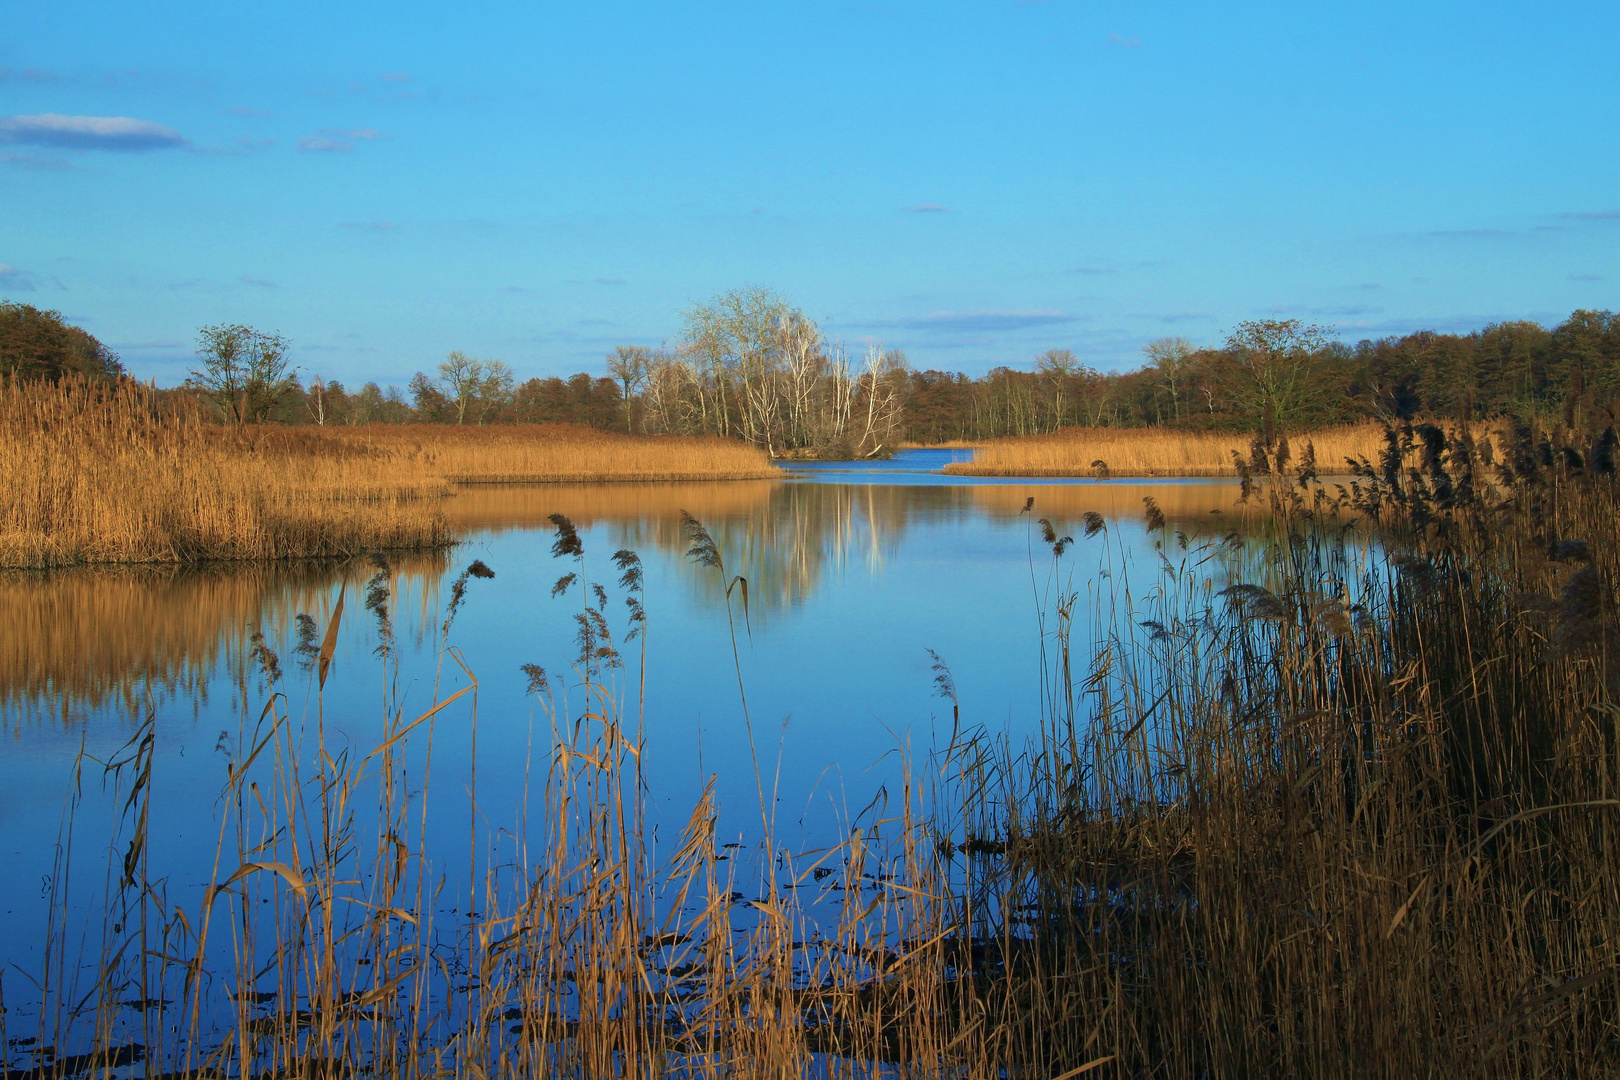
[749, 365]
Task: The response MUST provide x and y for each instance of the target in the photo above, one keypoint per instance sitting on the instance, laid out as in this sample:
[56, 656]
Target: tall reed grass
[1104, 452]
[1346, 807]
[1338, 796]
[105, 473]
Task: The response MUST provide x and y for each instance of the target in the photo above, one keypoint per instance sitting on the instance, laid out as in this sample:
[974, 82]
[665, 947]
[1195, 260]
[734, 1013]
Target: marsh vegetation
[1334, 795]
[1107, 452]
[104, 471]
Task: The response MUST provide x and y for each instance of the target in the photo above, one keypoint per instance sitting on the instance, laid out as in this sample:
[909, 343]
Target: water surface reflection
[850, 583]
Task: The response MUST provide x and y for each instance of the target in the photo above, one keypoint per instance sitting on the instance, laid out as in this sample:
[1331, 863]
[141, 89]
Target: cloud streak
[1338, 309]
[119, 133]
[975, 322]
[37, 162]
[338, 140]
[928, 208]
[315, 144]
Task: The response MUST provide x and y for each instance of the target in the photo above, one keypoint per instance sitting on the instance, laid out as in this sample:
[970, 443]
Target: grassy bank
[1099, 452]
[94, 472]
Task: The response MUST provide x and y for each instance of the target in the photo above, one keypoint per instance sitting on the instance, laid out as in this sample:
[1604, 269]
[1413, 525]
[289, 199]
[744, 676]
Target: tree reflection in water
[124, 639]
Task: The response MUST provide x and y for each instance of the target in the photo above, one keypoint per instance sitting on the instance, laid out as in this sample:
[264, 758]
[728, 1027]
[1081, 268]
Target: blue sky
[972, 182]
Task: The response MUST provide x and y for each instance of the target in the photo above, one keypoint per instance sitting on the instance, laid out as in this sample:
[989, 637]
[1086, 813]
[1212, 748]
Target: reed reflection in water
[125, 640]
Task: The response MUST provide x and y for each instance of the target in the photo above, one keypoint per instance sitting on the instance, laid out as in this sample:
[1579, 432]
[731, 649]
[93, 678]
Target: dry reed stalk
[104, 473]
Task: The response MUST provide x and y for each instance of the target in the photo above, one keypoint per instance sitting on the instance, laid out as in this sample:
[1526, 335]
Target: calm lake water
[854, 572]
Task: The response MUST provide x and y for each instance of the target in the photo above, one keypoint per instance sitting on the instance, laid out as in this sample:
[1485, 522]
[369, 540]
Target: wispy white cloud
[1124, 42]
[973, 322]
[256, 282]
[396, 76]
[89, 132]
[1593, 215]
[312, 144]
[1186, 316]
[367, 226]
[928, 208]
[242, 111]
[611, 281]
[14, 279]
[338, 140]
[1584, 277]
[37, 162]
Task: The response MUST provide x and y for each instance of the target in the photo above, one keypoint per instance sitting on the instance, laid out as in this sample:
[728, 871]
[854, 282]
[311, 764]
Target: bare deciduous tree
[1171, 357]
[461, 376]
[753, 365]
[243, 371]
[495, 386]
[1275, 357]
[629, 365]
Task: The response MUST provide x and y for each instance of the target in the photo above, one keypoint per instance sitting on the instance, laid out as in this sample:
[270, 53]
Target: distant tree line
[749, 365]
[1293, 373]
[246, 377]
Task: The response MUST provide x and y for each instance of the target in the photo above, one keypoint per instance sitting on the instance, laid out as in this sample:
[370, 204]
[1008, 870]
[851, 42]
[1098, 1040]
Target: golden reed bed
[1156, 452]
[107, 473]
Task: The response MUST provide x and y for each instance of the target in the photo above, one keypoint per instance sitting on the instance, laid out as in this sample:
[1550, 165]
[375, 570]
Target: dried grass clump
[99, 472]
